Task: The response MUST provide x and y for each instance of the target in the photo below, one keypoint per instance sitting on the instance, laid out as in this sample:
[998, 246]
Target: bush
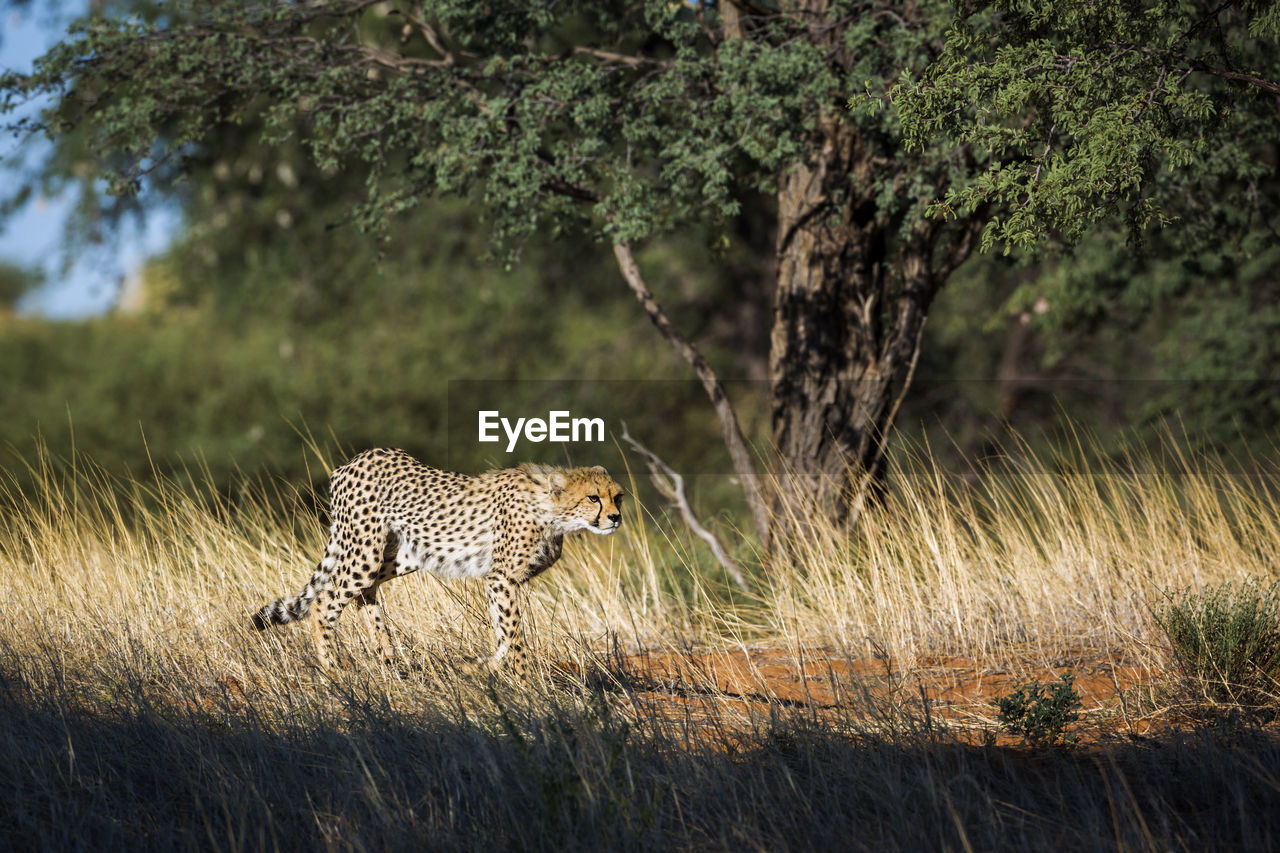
[1040, 713]
[1227, 641]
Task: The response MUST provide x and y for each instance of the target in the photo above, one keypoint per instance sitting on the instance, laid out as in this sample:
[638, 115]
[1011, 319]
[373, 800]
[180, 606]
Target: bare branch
[1234, 76]
[729, 429]
[415, 18]
[619, 58]
[671, 486]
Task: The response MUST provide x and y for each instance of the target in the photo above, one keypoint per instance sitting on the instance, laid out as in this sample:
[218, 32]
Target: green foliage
[1077, 112]
[625, 119]
[614, 121]
[16, 282]
[1040, 714]
[1226, 640]
[1129, 345]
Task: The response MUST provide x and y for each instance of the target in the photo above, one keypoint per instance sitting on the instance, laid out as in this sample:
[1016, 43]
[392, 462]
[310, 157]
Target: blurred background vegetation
[270, 319]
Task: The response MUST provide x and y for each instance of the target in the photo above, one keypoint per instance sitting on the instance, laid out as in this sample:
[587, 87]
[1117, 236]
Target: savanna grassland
[845, 701]
[975, 221]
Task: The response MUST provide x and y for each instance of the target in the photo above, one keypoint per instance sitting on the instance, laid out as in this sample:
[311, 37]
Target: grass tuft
[1226, 641]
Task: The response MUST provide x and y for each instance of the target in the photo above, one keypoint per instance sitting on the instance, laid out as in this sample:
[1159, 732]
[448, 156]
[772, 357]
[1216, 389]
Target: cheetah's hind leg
[354, 574]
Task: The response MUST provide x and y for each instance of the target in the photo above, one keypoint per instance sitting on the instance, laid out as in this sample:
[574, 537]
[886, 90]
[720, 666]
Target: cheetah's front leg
[505, 613]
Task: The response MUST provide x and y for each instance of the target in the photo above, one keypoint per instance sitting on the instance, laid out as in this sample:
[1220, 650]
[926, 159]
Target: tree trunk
[854, 282]
[848, 320]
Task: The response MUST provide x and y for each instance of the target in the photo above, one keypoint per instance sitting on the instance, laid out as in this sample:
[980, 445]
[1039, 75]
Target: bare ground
[712, 690]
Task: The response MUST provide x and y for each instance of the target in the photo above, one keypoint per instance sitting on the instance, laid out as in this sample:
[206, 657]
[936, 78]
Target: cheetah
[392, 515]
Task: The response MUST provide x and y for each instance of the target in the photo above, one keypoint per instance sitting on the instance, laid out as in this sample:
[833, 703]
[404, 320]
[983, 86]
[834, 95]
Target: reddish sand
[734, 689]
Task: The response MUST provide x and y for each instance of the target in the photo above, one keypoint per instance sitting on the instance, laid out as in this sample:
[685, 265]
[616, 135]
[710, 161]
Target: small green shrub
[1040, 713]
[1226, 640]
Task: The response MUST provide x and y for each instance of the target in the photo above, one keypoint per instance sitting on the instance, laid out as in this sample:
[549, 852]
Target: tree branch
[729, 428]
[417, 21]
[882, 440]
[671, 486]
[619, 58]
[1234, 76]
[1200, 65]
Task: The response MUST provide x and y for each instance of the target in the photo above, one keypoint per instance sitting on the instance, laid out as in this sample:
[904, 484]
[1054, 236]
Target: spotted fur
[393, 515]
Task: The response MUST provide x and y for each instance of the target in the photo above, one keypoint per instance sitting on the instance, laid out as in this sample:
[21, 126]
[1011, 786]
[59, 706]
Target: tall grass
[1040, 557]
[139, 709]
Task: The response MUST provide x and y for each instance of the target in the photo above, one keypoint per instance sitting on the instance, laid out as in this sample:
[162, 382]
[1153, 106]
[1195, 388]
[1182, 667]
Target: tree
[1081, 111]
[1159, 114]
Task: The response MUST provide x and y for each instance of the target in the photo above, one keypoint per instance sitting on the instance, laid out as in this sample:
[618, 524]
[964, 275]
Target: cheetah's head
[582, 498]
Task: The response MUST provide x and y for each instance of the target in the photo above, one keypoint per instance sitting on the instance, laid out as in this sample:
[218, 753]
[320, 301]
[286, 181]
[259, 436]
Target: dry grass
[138, 708]
[1043, 557]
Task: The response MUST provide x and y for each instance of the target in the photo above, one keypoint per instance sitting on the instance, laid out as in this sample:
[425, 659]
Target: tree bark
[848, 322]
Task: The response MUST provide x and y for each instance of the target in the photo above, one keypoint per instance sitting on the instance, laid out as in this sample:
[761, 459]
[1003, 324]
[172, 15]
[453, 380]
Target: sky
[80, 285]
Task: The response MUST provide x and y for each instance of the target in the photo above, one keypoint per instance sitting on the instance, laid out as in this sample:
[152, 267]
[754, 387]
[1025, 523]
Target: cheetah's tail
[282, 611]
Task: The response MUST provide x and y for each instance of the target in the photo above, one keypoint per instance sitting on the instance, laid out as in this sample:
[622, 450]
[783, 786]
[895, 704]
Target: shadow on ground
[520, 771]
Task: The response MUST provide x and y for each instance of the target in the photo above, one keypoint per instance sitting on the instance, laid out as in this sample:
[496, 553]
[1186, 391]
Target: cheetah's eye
[595, 499]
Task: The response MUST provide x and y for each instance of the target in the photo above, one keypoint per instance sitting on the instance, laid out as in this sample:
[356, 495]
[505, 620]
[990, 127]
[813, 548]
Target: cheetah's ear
[599, 469]
[551, 479]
